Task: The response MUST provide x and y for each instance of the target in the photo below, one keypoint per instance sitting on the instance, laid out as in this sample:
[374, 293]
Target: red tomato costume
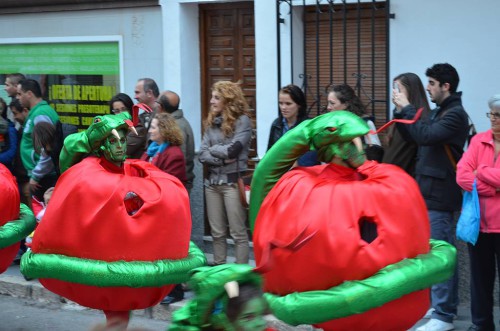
[9, 210]
[326, 246]
[113, 237]
[106, 232]
[342, 246]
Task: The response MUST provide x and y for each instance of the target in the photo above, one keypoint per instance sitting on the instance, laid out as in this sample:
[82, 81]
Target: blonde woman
[164, 151]
[224, 150]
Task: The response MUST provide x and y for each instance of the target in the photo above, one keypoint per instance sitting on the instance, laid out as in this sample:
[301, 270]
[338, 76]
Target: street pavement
[27, 305]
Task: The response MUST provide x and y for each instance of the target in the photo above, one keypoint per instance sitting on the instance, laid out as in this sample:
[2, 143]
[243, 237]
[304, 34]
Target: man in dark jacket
[169, 102]
[440, 140]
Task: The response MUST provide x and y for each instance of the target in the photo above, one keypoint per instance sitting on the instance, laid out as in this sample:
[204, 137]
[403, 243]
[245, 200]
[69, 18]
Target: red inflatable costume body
[9, 210]
[89, 212]
[314, 217]
[115, 234]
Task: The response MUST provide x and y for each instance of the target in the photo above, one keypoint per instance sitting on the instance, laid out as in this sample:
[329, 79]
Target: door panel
[228, 51]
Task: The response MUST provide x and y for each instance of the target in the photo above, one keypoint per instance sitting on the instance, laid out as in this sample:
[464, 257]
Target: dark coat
[447, 125]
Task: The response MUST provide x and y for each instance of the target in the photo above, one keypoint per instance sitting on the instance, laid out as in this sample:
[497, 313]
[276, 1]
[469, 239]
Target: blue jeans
[444, 296]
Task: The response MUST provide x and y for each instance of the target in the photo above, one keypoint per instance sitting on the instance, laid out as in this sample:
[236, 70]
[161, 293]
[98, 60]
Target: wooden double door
[228, 51]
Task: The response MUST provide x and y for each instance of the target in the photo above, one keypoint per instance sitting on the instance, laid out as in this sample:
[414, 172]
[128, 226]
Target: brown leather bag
[244, 187]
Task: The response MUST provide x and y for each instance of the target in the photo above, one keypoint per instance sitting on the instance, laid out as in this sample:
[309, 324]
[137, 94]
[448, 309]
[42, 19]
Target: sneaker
[428, 314]
[436, 325]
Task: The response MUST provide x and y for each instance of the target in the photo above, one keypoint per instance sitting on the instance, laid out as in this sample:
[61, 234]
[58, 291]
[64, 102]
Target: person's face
[251, 317]
[289, 109]
[24, 97]
[154, 132]
[495, 120]
[119, 107]
[139, 94]
[334, 103]
[216, 102]
[10, 88]
[437, 93]
[115, 149]
[19, 115]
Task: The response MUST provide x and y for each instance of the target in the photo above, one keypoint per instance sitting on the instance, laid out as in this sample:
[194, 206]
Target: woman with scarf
[164, 151]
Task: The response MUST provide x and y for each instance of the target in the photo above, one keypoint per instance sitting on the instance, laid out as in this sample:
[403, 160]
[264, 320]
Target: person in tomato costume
[115, 235]
[16, 219]
[343, 245]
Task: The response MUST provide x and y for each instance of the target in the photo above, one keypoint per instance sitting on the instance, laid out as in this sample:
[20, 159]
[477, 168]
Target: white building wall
[142, 40]
[182, 59]
[462, 33]
[163, 43]
[266, 70]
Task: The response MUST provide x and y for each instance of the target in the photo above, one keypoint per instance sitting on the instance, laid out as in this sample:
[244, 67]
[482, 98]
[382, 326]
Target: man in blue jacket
[440, 138]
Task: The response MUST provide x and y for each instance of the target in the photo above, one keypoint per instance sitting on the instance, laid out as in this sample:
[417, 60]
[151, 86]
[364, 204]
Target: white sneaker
[428, 314]
[436, 325]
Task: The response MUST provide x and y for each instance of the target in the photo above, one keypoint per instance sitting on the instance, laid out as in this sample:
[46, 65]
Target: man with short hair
[169, 102]
[39, 169]
[440, 139]
[146, 91]
[11, 81]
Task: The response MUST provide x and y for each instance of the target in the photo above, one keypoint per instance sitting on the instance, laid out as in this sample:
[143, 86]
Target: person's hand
[34, 185]
[228, 161]
[399, 100]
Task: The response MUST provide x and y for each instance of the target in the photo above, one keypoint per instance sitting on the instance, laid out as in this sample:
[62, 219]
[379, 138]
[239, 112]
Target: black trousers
[484, 263]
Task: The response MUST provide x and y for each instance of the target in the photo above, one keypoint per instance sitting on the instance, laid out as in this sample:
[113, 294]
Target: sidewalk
[13, 283]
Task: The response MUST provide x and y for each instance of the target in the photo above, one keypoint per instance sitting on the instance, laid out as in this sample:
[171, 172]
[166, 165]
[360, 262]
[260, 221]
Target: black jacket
[447, 125]
[277, 130]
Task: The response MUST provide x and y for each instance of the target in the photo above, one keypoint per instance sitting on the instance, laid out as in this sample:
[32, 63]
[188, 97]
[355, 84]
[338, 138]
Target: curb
[18, 287]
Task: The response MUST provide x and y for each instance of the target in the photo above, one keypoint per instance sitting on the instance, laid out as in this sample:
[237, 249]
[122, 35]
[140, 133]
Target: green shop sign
[82, 58]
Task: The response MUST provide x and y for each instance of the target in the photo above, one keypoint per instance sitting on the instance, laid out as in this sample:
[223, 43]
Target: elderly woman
[224, 150]
[480, 162]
